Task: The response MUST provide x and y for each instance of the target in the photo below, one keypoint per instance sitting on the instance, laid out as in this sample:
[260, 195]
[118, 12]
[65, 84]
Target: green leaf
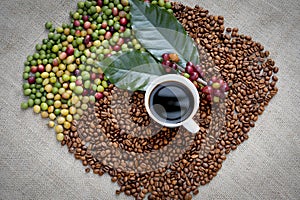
[132, 70]
[159, 32]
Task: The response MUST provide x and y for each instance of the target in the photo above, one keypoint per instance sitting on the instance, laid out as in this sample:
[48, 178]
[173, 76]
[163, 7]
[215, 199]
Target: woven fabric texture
[33, 165]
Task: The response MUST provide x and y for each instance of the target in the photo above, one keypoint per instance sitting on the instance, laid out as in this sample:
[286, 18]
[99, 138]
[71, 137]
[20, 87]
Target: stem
[202, 81]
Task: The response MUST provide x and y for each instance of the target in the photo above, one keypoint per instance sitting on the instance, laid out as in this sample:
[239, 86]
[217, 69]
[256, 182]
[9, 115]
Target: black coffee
[171, 102]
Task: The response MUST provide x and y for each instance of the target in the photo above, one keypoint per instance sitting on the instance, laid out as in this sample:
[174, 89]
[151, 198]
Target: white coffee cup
[182, 82]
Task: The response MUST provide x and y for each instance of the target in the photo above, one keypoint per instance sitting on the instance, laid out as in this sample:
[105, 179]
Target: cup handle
[191, 126]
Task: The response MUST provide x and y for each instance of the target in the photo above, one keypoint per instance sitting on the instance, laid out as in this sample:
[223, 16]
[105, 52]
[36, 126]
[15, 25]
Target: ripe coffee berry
[189, 69]
[194, 76]
[165, 56]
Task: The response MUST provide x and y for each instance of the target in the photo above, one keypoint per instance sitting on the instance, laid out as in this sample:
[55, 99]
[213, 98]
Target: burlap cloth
[34, 166]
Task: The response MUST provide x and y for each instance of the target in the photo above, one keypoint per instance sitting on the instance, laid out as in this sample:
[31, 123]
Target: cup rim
[177, 78]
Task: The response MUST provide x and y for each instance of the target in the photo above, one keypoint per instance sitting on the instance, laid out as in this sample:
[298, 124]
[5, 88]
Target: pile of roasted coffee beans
[118, 137]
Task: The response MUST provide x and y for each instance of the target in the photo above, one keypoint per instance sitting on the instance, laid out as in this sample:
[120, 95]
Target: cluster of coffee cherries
[193, 72]
[170, 61]
[215, 89]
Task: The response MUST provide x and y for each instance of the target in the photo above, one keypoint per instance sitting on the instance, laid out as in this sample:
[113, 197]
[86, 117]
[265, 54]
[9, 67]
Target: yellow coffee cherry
[60, 137]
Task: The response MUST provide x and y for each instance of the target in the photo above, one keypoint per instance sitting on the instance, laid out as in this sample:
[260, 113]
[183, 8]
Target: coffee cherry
[189, 69]
[77, 72]
[41, 68]
[31, 80]
[92, 92]
[222, 95]
[217, 93]
[216, 85]
[115, 11]
[216, 99]
[224, 87]
[93, 76]
[214, 79]
[87, 25]
[122, 29]
[194, 76]
[104, 25]
[221, 81]
[120, 41]
[165, 56]
[87, 39]
[77, 33]
[166, 63]
[189, 64]
[123, 21]
[201, 74]
[70, 50]
[198, 69]
[101, 76]
[76, 23]
[78, 82]
[207, 90]
[33, 69]
[209, 97]
[55, 62]
[112, 29]
[99, 95]
[108, 35]
[122, 13]
[85, 92]
[174, 57]
[100, 3]
[117, 48]
[85, 18]
[186, 75]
